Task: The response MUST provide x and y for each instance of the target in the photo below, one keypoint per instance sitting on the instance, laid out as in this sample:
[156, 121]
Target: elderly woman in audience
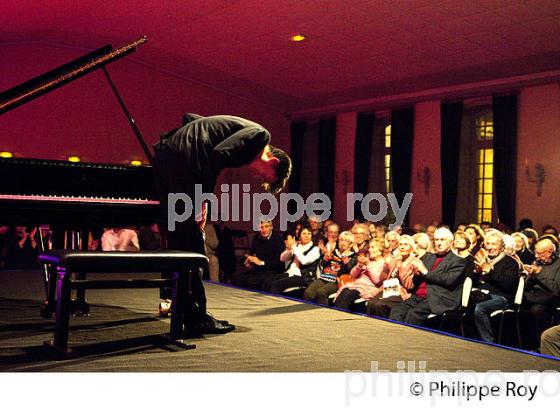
[301, 257]
[522, 248]
[509, 249]
[499, 276]
[335, 263]
[407, 269]
[368, 274]
[424, 245]
[532, 238]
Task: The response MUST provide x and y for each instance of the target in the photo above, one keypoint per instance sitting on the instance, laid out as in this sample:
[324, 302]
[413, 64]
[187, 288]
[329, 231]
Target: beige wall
[426, 202]
[344, 169]
[539, 142]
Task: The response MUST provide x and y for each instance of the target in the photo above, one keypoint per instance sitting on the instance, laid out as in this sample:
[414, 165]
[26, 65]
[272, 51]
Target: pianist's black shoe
[209, 325]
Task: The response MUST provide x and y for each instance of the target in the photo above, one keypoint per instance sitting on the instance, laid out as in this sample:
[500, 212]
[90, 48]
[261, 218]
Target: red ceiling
[355, 49]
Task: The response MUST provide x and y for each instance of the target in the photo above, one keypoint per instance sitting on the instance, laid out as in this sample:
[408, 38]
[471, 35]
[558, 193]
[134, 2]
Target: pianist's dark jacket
[210, 144]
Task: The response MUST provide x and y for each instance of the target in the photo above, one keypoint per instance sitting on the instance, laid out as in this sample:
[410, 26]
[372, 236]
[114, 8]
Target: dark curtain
[402, 135]
[297, 132]
[505, 153]
[362, 157]
[327, 157]
[451, 123]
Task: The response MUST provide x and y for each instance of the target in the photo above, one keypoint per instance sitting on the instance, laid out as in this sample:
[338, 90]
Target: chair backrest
[467, 288]
[519, 294]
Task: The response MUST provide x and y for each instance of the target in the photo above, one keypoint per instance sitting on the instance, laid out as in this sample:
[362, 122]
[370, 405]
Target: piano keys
[75, 195]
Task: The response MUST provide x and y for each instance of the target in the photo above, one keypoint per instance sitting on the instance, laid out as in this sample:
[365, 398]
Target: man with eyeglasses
[542, 294]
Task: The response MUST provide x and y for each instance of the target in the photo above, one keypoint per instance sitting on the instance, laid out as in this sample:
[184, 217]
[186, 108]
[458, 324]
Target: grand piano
[74, 197]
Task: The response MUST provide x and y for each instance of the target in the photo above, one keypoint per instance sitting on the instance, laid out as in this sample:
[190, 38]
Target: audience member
[21, 248]
[120, 239]
[334, 264]
[302, 259]
[149, 237]
[542, 294]
[498, 283]
[368, 276]
[263, 262]
[443, 284]
[408, 271]
[532, 237]
[525, 223]
[549, 229]
[550, 342]
[211, 244]
[361, 236]
[522, 248]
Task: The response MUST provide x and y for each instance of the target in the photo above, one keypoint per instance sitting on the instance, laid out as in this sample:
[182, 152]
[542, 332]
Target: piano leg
[49, 305]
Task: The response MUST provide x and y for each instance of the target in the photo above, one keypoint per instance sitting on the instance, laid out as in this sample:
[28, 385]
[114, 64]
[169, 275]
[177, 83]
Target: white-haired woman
[408, 270]
[522, 248]
[368, 276]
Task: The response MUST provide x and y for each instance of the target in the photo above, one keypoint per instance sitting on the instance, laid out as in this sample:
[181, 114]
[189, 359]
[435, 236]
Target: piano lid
[29, 90]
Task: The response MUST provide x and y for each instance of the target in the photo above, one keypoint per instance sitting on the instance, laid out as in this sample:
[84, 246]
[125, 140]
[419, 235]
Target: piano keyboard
[79, 199]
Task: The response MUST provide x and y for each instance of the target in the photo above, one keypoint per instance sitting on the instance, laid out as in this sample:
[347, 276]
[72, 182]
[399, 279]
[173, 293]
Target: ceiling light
[135, 162]
[73, 158]
[6, 154]
[297, 38]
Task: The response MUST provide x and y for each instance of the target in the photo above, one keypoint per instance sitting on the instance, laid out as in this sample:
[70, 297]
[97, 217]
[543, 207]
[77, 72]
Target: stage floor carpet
[273, 335]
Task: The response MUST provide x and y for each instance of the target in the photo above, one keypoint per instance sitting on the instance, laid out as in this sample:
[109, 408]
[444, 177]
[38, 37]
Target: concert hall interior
[456, 102]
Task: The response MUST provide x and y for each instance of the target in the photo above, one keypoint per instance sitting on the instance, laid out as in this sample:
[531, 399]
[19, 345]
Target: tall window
[484, 131]
[387, 156]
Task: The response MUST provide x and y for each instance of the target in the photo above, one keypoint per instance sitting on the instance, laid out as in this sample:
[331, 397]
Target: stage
[273, 335]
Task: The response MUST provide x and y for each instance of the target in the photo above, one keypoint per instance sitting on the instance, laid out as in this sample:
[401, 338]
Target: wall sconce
[423, 176]
[538, 177]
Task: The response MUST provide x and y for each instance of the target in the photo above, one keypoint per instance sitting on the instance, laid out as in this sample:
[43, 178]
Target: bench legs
[178, 319]
[63, 293]
[64, 308]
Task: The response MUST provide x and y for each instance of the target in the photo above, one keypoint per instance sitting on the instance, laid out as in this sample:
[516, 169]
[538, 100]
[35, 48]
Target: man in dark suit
[195, 154]
[441, 286]
[263, 259]
[542, 292]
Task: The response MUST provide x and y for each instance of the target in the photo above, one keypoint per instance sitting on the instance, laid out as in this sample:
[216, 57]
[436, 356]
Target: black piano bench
[179, 264]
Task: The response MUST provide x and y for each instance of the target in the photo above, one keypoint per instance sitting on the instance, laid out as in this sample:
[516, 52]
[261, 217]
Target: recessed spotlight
[135, 162]
[73, 158]
[6, 154]
[297, 38]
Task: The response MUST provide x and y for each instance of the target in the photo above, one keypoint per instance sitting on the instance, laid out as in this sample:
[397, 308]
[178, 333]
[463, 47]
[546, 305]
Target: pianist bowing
[196, 153]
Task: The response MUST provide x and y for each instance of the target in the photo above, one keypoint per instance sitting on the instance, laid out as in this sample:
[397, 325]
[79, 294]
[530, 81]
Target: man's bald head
[545, 250]
[545, 244]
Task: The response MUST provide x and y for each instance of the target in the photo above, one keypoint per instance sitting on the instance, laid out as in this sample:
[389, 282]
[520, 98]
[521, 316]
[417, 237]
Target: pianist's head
[273, 168]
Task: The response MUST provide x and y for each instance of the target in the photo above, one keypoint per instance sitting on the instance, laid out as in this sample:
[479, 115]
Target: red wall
[83, 118]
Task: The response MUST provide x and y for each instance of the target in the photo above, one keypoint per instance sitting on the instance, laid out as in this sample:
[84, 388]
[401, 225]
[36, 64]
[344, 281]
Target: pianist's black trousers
[172, 176]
